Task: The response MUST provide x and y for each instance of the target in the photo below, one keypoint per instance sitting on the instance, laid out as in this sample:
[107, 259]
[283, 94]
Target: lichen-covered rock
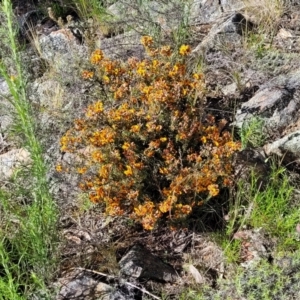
[4, 90]
[255, 246]
[288, 148]
[11, 161]
[165, 16]
[78, 285]
[64, 53]
[228, 30]
[277, 101]
[123, 46]
[208, 11]
[5, 107]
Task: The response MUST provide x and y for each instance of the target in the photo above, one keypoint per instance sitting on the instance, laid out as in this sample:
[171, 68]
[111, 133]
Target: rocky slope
[252, 71]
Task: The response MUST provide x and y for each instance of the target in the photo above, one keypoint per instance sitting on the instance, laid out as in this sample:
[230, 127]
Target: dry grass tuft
[266, 13]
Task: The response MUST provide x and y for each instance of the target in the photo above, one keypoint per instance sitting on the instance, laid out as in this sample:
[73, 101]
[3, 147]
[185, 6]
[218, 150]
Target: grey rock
[64, 53]
[273, 104]
[232, 5]
[228, 30]
[123, 291]
[58, 42]
[80, 286]
[205, 11]
[11, 161]
[123, 46]
[230, 89]
[208, 11]
[6, 119]
[288, 148]
[4, 90]
[258, 246]
[277, 102]
[165, 16]
[140, 263]
[49, 92]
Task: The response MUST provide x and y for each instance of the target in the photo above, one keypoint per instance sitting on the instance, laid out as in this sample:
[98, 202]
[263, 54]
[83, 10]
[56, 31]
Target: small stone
[12, 160]
[139, 262]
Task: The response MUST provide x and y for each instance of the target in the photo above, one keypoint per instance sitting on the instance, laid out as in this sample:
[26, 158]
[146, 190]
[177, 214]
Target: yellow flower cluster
[102, 137]
[151, 153]
[94, 109]
[184, 50]
[147, 41]
[96, 57]
[87, 74]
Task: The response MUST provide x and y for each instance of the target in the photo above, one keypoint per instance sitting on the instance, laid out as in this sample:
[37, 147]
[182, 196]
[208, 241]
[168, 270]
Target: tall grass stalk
[27, 259]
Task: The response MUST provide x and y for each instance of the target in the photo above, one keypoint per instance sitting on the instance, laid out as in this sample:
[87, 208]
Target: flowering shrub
[146, 149]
